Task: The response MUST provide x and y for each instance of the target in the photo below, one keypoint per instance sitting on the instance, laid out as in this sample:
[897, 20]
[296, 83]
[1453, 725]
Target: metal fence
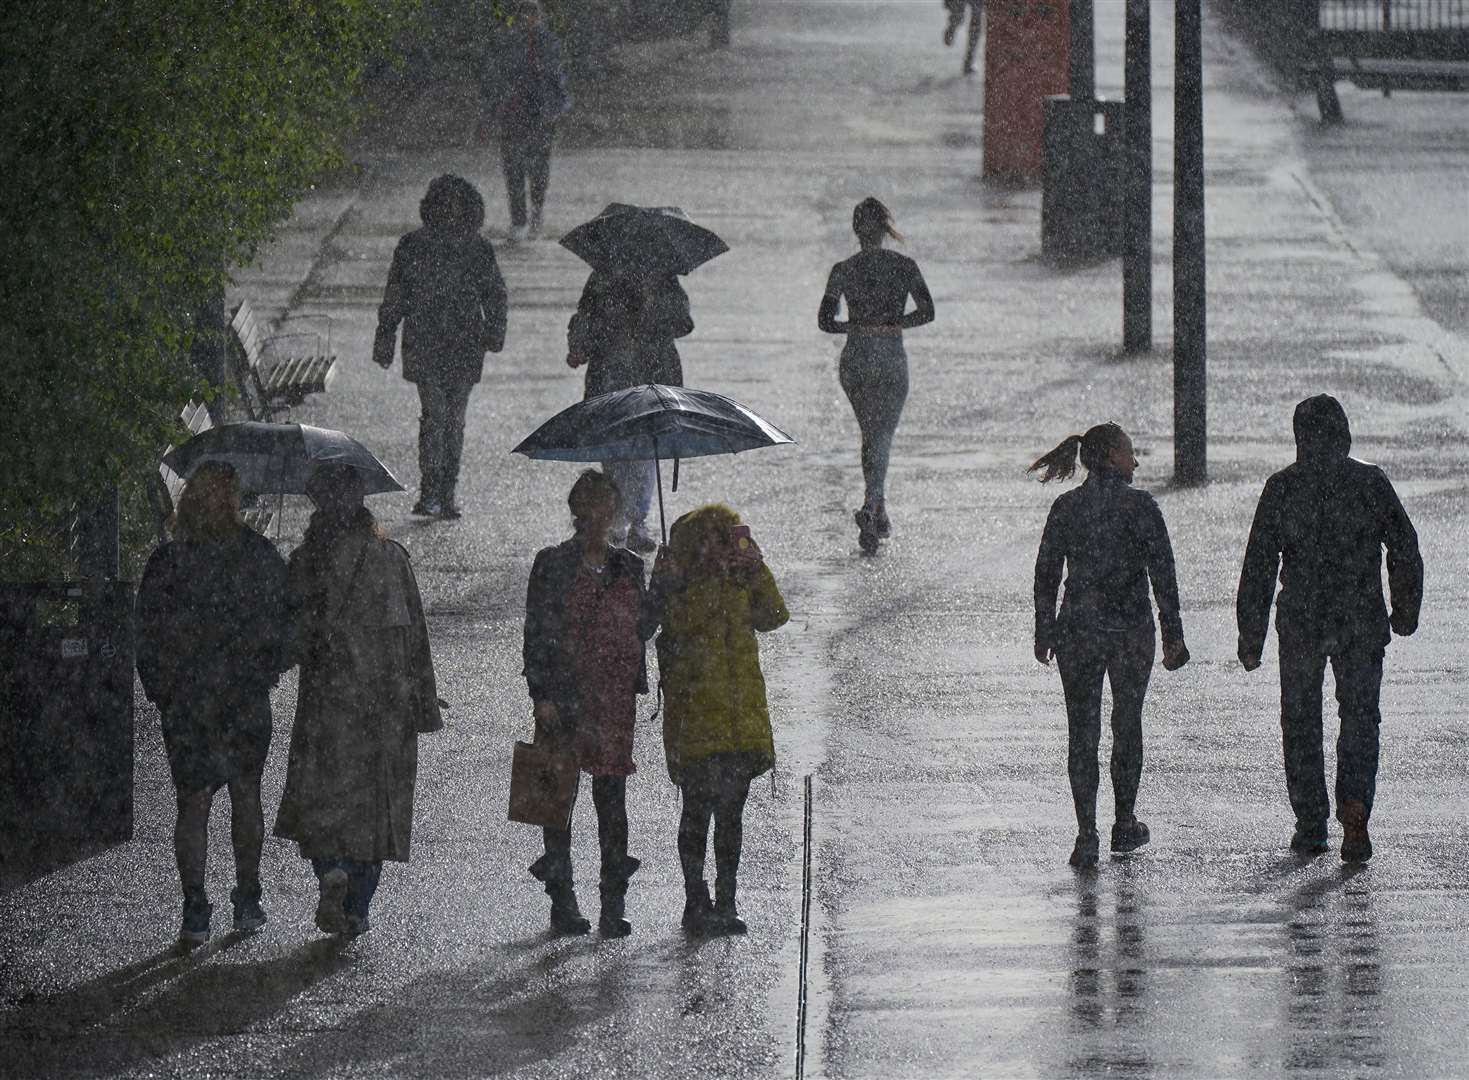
[1406, 15]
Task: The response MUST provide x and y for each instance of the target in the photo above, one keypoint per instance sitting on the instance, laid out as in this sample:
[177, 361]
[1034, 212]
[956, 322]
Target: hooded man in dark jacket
[1322, 523]
[445, 287]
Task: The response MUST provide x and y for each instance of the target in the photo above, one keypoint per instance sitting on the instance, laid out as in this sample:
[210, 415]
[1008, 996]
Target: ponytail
[1092, 448]
[1060, 463]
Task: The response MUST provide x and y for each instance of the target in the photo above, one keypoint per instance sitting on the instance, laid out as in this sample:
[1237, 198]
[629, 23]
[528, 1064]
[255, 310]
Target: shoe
[194, 927]
[724, 921]
[518, 233]
[968, 69]
[426, 507]
[949, 33]
[698, 910]
[611, 923]
[1128, 834]
[1084, 854]
[867, 537]
[1309, 841]
[249, 915]
[639, 541]
[1356, 843]
[357, 925]
[331, 910]
[566, 917]
[880, 523]
[450, 511]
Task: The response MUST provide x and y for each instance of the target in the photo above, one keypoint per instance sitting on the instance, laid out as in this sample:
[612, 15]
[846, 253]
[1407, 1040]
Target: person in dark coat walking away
[585, 665]
[876, 284]
[711, 594]
[367, 691]
[525, 83]
[956, 10]
[445, 287]
[1112, 541]
[624, 331]
[1322, 523]
[211, 617]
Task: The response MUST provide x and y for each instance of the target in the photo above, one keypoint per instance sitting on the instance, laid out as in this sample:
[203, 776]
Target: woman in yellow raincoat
[711, 592]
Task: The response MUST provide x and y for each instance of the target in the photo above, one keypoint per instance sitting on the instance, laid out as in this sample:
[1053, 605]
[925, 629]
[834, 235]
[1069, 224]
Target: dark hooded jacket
[1322, 524]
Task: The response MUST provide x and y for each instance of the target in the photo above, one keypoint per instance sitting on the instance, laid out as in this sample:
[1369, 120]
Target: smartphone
[744, 547]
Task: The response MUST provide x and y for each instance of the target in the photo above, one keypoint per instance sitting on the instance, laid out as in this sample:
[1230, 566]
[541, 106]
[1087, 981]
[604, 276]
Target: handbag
[543, 785]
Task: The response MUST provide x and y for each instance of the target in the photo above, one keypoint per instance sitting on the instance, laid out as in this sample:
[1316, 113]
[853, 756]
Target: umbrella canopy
[651, 421]
[647, 237]
[280, 458]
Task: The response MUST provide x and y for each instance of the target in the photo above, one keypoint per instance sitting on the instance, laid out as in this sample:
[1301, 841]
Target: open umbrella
[649, 237]
[280, 458]
[651, 421]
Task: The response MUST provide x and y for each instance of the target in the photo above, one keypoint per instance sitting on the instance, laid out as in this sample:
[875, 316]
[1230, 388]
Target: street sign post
[1190, 427]
[1137, 183]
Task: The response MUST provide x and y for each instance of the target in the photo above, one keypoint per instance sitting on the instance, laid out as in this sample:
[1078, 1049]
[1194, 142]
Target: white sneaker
[518, 233]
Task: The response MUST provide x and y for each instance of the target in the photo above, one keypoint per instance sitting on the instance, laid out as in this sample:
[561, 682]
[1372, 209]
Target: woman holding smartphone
[1112, 540]
[711, 593]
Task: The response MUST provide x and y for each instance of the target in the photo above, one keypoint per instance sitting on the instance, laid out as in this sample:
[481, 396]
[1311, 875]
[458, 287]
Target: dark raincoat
[1323, 523]
[617, 356]
[211, 618]
[367, 690]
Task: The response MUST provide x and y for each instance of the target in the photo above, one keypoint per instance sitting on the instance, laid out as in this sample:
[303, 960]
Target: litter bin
[66, 719]
[1081, 176]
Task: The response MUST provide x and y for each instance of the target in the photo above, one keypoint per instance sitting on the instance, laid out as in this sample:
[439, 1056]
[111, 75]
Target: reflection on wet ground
[1108, 986]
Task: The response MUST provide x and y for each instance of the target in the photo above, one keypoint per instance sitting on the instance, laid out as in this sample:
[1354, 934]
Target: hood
[1322, 432]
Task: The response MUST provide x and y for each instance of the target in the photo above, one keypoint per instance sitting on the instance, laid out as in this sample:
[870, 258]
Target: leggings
[874, 374]
[716, 789]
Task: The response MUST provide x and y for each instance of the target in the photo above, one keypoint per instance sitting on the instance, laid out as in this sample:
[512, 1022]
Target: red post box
[1025, 61]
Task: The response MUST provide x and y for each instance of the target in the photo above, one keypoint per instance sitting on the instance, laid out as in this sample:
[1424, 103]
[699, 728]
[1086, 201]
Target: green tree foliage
[145, 147]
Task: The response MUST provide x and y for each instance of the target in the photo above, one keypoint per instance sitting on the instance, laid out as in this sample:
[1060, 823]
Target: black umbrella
[651, 421]
[280, 458]
[648, 237]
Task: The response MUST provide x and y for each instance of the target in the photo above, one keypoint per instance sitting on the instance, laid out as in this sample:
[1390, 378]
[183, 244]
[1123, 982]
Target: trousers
[713, 789]
[1358, 674]
[362, 879]
[874, 376]
[635, 481]
[441, 437]
[1125, 658]
[609, 796]
[525, 158]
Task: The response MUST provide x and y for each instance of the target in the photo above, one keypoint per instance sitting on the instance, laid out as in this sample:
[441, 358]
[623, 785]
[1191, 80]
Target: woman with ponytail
[1112, 541]
[876, 284]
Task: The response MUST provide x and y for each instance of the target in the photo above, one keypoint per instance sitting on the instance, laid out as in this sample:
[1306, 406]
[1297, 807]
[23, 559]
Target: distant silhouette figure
[211, 616]
[585, 664]
[1113, 541]
[445, 287]
[876, 284]
[956, 9]
[711, 593]
[367, 690]
[624, 332]
[1323, 523]
[525, 82]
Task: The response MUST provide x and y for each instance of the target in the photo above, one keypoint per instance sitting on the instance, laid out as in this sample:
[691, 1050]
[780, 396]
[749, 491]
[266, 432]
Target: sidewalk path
[949, 937]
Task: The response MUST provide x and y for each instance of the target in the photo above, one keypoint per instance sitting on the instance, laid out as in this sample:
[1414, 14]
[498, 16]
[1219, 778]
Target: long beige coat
[367, 689]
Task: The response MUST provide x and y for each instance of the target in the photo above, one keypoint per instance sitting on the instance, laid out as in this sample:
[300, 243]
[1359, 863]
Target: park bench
[272, 385]
[165, 488]
[1384, 45]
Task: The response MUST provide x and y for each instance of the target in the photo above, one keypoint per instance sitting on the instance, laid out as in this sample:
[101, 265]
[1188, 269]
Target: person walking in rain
[1112, 541]
[445, 287]
[876, 284]
[624, 331]
[956, 10]
[367, 690]
[585, 664]
[211, 606]
[525, 83]
[1323, 523]
[711, 593]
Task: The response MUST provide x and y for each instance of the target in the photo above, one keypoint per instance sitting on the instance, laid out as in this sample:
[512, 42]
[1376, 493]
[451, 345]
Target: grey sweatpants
[874, 374]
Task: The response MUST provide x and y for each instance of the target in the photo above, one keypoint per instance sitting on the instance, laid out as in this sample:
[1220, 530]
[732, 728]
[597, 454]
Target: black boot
[698, 909]
[566, 917]
[614, 893]
[725, 920]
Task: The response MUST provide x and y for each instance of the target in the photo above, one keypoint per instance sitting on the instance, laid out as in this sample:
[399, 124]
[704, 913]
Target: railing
[1387, 15]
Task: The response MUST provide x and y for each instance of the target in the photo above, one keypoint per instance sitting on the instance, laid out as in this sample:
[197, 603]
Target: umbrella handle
[658, 472]
[675, 476]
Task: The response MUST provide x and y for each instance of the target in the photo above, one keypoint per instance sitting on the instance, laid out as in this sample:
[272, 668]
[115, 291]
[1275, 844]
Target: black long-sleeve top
[1322, 523]
[1112, 540]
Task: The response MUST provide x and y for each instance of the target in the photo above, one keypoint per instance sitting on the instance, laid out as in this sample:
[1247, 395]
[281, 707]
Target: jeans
[441, 438]
[635, 481]
[525, 156]
[609, 796]
[1126, 659]
[362, 879]
[1358, 673]
[247, 832]
[713, 791]
[874, 375]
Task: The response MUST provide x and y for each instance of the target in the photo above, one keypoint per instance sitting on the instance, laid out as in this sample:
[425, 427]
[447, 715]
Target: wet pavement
[948, 936]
